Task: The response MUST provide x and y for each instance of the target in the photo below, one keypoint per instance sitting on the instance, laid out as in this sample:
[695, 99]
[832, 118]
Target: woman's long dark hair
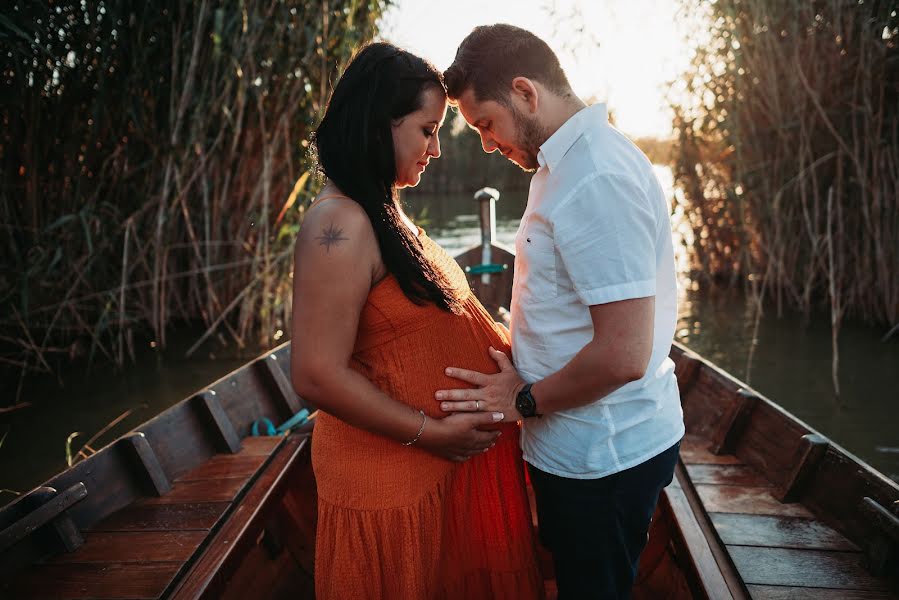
[354, 147]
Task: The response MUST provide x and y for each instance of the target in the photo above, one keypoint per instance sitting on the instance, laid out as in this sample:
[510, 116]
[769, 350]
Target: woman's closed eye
[430, 132]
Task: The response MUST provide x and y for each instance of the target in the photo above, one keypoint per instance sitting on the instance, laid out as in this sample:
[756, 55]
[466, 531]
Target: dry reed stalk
[788, 155]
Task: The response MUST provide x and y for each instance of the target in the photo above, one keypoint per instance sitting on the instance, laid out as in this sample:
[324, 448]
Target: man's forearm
[592, 374]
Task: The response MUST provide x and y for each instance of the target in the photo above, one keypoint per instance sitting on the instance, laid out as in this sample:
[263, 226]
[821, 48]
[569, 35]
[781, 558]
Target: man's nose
[488, 143]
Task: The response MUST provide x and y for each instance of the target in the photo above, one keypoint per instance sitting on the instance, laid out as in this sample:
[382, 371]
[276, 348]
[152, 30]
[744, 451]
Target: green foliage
[147, 152]
[788, 151]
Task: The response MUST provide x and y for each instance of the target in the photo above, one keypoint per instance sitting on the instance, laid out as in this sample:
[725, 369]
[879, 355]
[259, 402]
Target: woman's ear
[525, 94]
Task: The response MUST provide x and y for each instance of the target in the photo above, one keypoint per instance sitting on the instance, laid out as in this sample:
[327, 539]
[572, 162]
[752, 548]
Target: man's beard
[530, 138]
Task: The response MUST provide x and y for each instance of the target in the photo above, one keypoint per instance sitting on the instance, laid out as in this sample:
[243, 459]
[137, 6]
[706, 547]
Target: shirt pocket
[539, 252]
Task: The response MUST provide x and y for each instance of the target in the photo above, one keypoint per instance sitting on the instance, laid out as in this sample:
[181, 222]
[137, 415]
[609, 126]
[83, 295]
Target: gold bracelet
[424, 418]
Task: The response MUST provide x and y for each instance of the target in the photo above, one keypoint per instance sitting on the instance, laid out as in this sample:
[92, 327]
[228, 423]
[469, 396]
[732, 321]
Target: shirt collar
[559, 143]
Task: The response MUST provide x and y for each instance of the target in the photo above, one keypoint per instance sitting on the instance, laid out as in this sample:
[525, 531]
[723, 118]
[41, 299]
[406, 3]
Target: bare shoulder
[336, 227]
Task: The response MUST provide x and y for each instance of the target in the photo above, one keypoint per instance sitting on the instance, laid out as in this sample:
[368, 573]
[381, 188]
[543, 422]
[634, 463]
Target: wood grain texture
[748, 500]
[804, 568]
[733, 422]
[262, 445]
[234, 540]
[781, 532]
[226, 466]
[710, 566]
[739, 475]
[135, 546]
[165, 517]
[694, 450]
[223, 490]
[770, 442]
[147, 462]
[91, 581]
[773, 592]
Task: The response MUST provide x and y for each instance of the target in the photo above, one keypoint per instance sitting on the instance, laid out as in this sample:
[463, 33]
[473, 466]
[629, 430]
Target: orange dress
[394, 521]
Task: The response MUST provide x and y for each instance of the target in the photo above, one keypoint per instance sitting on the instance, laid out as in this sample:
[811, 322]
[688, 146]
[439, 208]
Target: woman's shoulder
[337, 217]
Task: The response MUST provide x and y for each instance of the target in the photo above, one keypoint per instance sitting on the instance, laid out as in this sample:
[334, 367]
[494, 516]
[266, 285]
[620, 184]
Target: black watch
[526, 404]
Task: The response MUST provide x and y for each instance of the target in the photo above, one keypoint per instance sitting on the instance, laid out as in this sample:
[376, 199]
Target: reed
[788, 153]
[152, 156]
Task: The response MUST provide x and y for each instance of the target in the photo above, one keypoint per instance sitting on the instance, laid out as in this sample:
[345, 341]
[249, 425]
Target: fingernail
[449, 371]
[444, 406]
[498, 416]
[440, 396]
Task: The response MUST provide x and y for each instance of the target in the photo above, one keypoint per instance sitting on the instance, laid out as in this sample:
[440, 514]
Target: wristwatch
[526, 404]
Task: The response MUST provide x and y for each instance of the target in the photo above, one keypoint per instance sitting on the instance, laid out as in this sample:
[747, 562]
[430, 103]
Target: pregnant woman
[412, 504]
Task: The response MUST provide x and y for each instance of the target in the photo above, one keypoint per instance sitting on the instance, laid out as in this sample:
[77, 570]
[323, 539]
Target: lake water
[790, 364]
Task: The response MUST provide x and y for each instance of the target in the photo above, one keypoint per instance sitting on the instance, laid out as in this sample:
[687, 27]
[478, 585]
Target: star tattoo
[330, 236]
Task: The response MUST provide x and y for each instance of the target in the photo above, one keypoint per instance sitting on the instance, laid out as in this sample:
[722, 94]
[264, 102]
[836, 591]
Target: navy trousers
[597, 528]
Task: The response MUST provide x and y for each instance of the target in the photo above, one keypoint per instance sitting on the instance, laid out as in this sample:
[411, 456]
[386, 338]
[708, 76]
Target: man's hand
[497, 393]
[458, 437]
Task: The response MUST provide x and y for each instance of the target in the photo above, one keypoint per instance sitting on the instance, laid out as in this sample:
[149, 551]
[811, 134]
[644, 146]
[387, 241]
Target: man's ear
[525, 95]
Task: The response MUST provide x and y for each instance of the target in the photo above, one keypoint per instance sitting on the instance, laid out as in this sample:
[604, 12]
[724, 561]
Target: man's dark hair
[491, 56]
[354, 149]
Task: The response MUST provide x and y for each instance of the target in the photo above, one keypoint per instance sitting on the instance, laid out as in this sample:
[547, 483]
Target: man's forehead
[473, 110]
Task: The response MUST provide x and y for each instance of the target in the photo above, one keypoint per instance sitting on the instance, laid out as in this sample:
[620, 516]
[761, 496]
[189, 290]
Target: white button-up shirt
[596, 230]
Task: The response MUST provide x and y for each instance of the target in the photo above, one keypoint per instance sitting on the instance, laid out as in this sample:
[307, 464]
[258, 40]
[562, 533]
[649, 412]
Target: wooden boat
[191, 505]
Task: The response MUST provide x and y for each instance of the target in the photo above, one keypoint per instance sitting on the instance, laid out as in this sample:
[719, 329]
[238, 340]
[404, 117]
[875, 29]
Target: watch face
[525, 403]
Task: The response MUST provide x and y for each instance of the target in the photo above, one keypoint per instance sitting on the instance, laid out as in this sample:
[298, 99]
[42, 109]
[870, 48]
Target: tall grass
[788, 159]
[148, 152]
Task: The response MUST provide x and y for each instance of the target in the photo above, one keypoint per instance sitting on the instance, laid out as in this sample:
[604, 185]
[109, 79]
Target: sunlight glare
[623, 52]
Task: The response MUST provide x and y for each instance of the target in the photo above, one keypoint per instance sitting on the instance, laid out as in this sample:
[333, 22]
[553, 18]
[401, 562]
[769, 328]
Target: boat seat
[163, 545]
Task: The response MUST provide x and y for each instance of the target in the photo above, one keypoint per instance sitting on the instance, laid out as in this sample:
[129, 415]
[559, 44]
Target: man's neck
[559, 110]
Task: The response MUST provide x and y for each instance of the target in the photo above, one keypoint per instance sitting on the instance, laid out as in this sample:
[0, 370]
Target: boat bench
[214, 534]
[176, 509]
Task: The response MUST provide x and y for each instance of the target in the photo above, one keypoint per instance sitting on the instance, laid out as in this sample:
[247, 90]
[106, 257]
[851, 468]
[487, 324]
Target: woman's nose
[434, 147]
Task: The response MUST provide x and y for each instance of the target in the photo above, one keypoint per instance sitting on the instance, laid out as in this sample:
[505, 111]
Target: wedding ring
[477, 405]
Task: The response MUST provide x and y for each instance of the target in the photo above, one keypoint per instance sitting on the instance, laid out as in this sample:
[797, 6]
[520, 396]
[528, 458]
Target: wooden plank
[498, 293]
[781, 532]
[90, 581]
[811, 450]
[836, 491]
[50, 510]
[774, 592]
[199, 491]
[231, 542]
[686, 368]
[226, 466]
[226, 437]
[804, 568]
[747, 500]
[165, 517]
[706, 402]
[881, 547]
[285, 393]
[770, 442]
[698, 548]
[146, 458]
[739, 475]
[135, 546]
[734, 422]
[262, 445]
[694, 450]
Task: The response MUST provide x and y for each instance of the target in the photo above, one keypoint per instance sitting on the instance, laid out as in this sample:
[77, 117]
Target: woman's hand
[457, 437]
[495, 393]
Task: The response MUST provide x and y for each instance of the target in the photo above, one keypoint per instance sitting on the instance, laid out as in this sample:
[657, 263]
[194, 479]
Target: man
[593, 312]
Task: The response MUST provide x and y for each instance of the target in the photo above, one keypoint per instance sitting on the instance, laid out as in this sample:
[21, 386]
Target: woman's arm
[336, 262]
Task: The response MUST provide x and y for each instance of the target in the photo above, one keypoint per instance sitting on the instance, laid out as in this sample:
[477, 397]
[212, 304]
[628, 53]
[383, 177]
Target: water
[790, 364]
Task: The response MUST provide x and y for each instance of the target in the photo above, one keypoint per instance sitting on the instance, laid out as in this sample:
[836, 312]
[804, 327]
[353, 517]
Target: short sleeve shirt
[596, 230]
